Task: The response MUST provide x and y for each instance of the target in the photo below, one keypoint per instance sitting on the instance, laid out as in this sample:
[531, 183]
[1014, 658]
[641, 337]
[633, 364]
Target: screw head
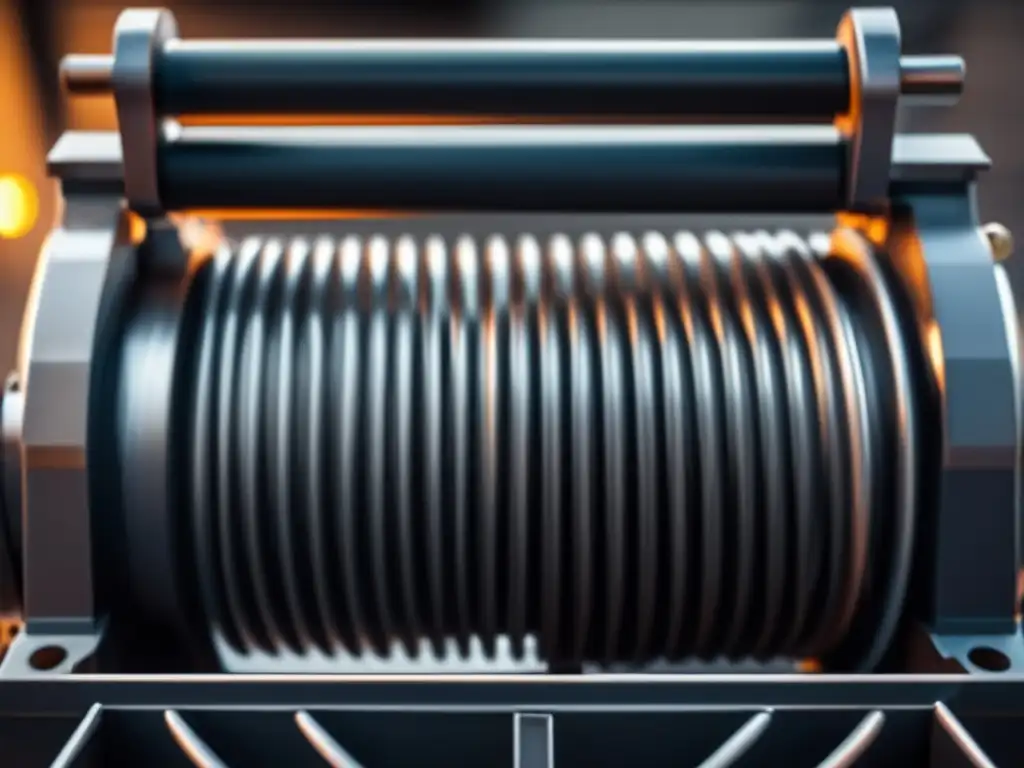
[1000, 240]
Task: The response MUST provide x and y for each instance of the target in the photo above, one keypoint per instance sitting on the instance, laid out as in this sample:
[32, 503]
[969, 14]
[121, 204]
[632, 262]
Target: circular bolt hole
[989, 659]
[48, 657]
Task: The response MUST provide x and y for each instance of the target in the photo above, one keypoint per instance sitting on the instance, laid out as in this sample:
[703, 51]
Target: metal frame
[83, 265]
[536, 721]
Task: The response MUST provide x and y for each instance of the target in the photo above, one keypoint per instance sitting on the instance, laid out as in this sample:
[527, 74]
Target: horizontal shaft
[794, 80]
[639, 169]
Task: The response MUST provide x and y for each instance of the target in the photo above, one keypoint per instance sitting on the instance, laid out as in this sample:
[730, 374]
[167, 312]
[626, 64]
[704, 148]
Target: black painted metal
[388, 721]
[649, 169]
[609, 78]
[10, 503]
[507, 693]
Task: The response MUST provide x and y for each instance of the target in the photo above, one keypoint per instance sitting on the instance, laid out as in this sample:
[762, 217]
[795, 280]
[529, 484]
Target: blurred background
[35, 34]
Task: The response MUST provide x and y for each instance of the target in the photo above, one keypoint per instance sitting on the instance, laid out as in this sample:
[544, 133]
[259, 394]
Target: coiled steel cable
[635, 448]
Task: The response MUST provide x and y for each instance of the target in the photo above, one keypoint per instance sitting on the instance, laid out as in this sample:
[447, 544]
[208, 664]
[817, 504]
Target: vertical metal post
[534, 741]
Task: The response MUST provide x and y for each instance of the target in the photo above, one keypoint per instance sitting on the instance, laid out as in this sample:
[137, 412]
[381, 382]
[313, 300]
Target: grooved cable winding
[630, 448]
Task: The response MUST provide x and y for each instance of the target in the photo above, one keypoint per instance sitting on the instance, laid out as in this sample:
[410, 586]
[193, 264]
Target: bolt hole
[48, 657]
[989, 659]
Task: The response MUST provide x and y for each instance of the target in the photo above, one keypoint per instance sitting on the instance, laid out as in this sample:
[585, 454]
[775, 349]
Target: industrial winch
[607, 354]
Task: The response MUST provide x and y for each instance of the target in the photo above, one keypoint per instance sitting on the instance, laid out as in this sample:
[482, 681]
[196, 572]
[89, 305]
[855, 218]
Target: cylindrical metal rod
[488, 168]
[505, 78]
[542, 78]
[87, 74]
[932, 77]
[535, 78]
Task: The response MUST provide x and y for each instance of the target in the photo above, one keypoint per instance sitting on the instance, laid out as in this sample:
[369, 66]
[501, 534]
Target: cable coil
[634, 448]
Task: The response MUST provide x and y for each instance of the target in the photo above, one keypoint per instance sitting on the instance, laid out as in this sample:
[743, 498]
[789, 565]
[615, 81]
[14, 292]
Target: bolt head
[1000, 240]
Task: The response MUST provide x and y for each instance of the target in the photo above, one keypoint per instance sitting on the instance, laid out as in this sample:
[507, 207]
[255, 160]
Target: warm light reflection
[136, 228]
[874, 228]
[907, 256]
[847, 124]
[298, 214]
[201, 239]
[19, 206]
[268, 120]
[365, 119]
[933, 347]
